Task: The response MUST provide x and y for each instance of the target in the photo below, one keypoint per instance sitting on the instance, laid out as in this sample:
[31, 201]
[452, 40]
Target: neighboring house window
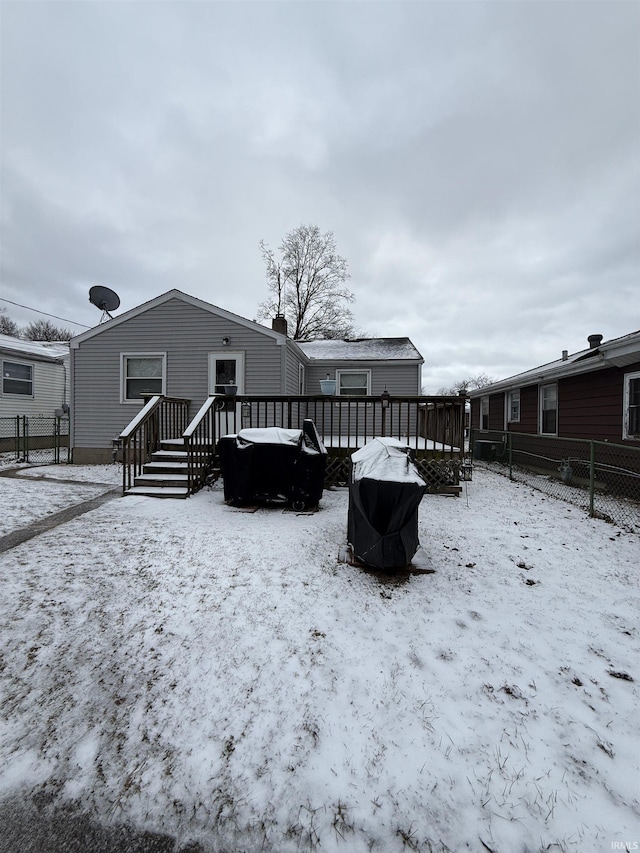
[549, 409]
[17, 378]
[484, 413]
[353, 383]
[142, 373]
[513, 406]
[301, 379]
[632, 405]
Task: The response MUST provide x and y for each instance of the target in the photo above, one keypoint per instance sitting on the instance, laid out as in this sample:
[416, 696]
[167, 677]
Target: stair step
[172, 443]
[155, 492]
[162, 480]
[169, 456]
[165, 468]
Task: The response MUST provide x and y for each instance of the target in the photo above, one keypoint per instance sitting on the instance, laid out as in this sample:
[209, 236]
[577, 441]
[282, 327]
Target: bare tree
[44, 330]
[307, 285]
[7, 325]
[465, 385]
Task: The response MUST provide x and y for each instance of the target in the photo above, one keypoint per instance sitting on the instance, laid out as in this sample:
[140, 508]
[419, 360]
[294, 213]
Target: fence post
[25, 437]
[510, 455]
[56, 441]
[592, 475]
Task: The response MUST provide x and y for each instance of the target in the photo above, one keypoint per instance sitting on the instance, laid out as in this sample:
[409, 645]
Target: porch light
[225, 342]
[385, 398]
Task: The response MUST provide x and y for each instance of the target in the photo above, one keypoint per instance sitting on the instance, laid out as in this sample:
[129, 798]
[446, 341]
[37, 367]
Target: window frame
[302, 379]
[351, 370]
[510, 399]
[124, 356]
[626, 434]
[31, 381]
[484, 403]
[541, 410]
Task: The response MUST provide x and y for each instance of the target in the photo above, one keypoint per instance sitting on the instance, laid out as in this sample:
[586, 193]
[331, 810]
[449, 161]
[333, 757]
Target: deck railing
[431, 426]
[201, 438]
[160, 418]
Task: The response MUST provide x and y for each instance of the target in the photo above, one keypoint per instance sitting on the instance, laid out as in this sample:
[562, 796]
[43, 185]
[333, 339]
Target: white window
[142, 373]
[631, 427]
[17, 378]
[513, 406]
[301, 379]
[549, 409]
[484, 413]
[353, 383]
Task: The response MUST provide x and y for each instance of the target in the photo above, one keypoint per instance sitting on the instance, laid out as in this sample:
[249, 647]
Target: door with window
[226, 373]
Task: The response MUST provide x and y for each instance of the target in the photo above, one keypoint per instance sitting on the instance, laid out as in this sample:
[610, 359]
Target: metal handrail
[160, 418]
[200, 439]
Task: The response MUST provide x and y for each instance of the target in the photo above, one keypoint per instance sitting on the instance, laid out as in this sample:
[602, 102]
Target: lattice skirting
[439, 474]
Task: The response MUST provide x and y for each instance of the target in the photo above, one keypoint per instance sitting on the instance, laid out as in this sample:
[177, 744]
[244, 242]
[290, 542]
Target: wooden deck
[432, 426]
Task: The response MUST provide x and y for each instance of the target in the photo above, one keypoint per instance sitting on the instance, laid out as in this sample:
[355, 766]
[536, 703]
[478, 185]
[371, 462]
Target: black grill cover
[273, 464]
[385, 491]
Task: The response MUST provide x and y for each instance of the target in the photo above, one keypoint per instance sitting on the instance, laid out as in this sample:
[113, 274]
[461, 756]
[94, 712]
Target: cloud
[478, 163]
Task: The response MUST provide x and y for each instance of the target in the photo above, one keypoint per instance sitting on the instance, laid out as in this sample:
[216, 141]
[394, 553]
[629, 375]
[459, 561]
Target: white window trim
[302, 379]
[627, 402]
[33, 379]
[540, 397]
[341, 371]
[123, 374]
[224, 355]
[508, 417]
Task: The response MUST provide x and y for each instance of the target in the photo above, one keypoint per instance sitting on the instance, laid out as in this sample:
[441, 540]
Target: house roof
[166, 297]
[361, 349]
[54, 351]
[618, 352]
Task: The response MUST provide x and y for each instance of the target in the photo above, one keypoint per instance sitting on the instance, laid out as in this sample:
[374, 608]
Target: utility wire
[73, 322]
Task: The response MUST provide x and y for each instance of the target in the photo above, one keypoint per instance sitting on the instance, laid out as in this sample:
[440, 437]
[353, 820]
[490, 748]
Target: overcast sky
[478, 163]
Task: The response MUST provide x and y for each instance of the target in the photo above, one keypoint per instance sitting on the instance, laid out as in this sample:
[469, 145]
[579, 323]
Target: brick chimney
[594, 341]
[279, 324]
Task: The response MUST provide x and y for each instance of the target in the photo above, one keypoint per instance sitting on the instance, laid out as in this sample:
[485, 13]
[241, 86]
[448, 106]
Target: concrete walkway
[17, 537]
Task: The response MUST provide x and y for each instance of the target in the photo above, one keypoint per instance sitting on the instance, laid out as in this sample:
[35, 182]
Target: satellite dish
[105, 299]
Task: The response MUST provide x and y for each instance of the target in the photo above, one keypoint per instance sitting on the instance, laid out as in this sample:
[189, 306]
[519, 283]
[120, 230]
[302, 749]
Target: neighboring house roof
[617, 352]
[54, 351]
[165, 297]
[361, 349]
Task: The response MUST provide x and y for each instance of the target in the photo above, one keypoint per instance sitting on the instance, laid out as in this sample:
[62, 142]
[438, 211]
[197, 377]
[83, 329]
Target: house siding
[590, 406]
[187, 334]
[528, 411]
[400, 378]
[50, 388]
[293, 362]
[496, 411]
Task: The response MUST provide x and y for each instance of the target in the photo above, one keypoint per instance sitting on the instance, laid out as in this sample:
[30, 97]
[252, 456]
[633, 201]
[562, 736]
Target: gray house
[35, 377]
[179, 346]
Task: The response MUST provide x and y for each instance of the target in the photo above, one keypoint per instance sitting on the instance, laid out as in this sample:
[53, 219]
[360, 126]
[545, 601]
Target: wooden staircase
[166, 475]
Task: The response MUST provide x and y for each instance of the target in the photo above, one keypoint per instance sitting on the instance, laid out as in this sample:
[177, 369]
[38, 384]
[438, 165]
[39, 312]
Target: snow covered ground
[219, 676]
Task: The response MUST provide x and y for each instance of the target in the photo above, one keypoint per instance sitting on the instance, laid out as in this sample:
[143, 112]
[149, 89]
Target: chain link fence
[600, 477]
[36, 440]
